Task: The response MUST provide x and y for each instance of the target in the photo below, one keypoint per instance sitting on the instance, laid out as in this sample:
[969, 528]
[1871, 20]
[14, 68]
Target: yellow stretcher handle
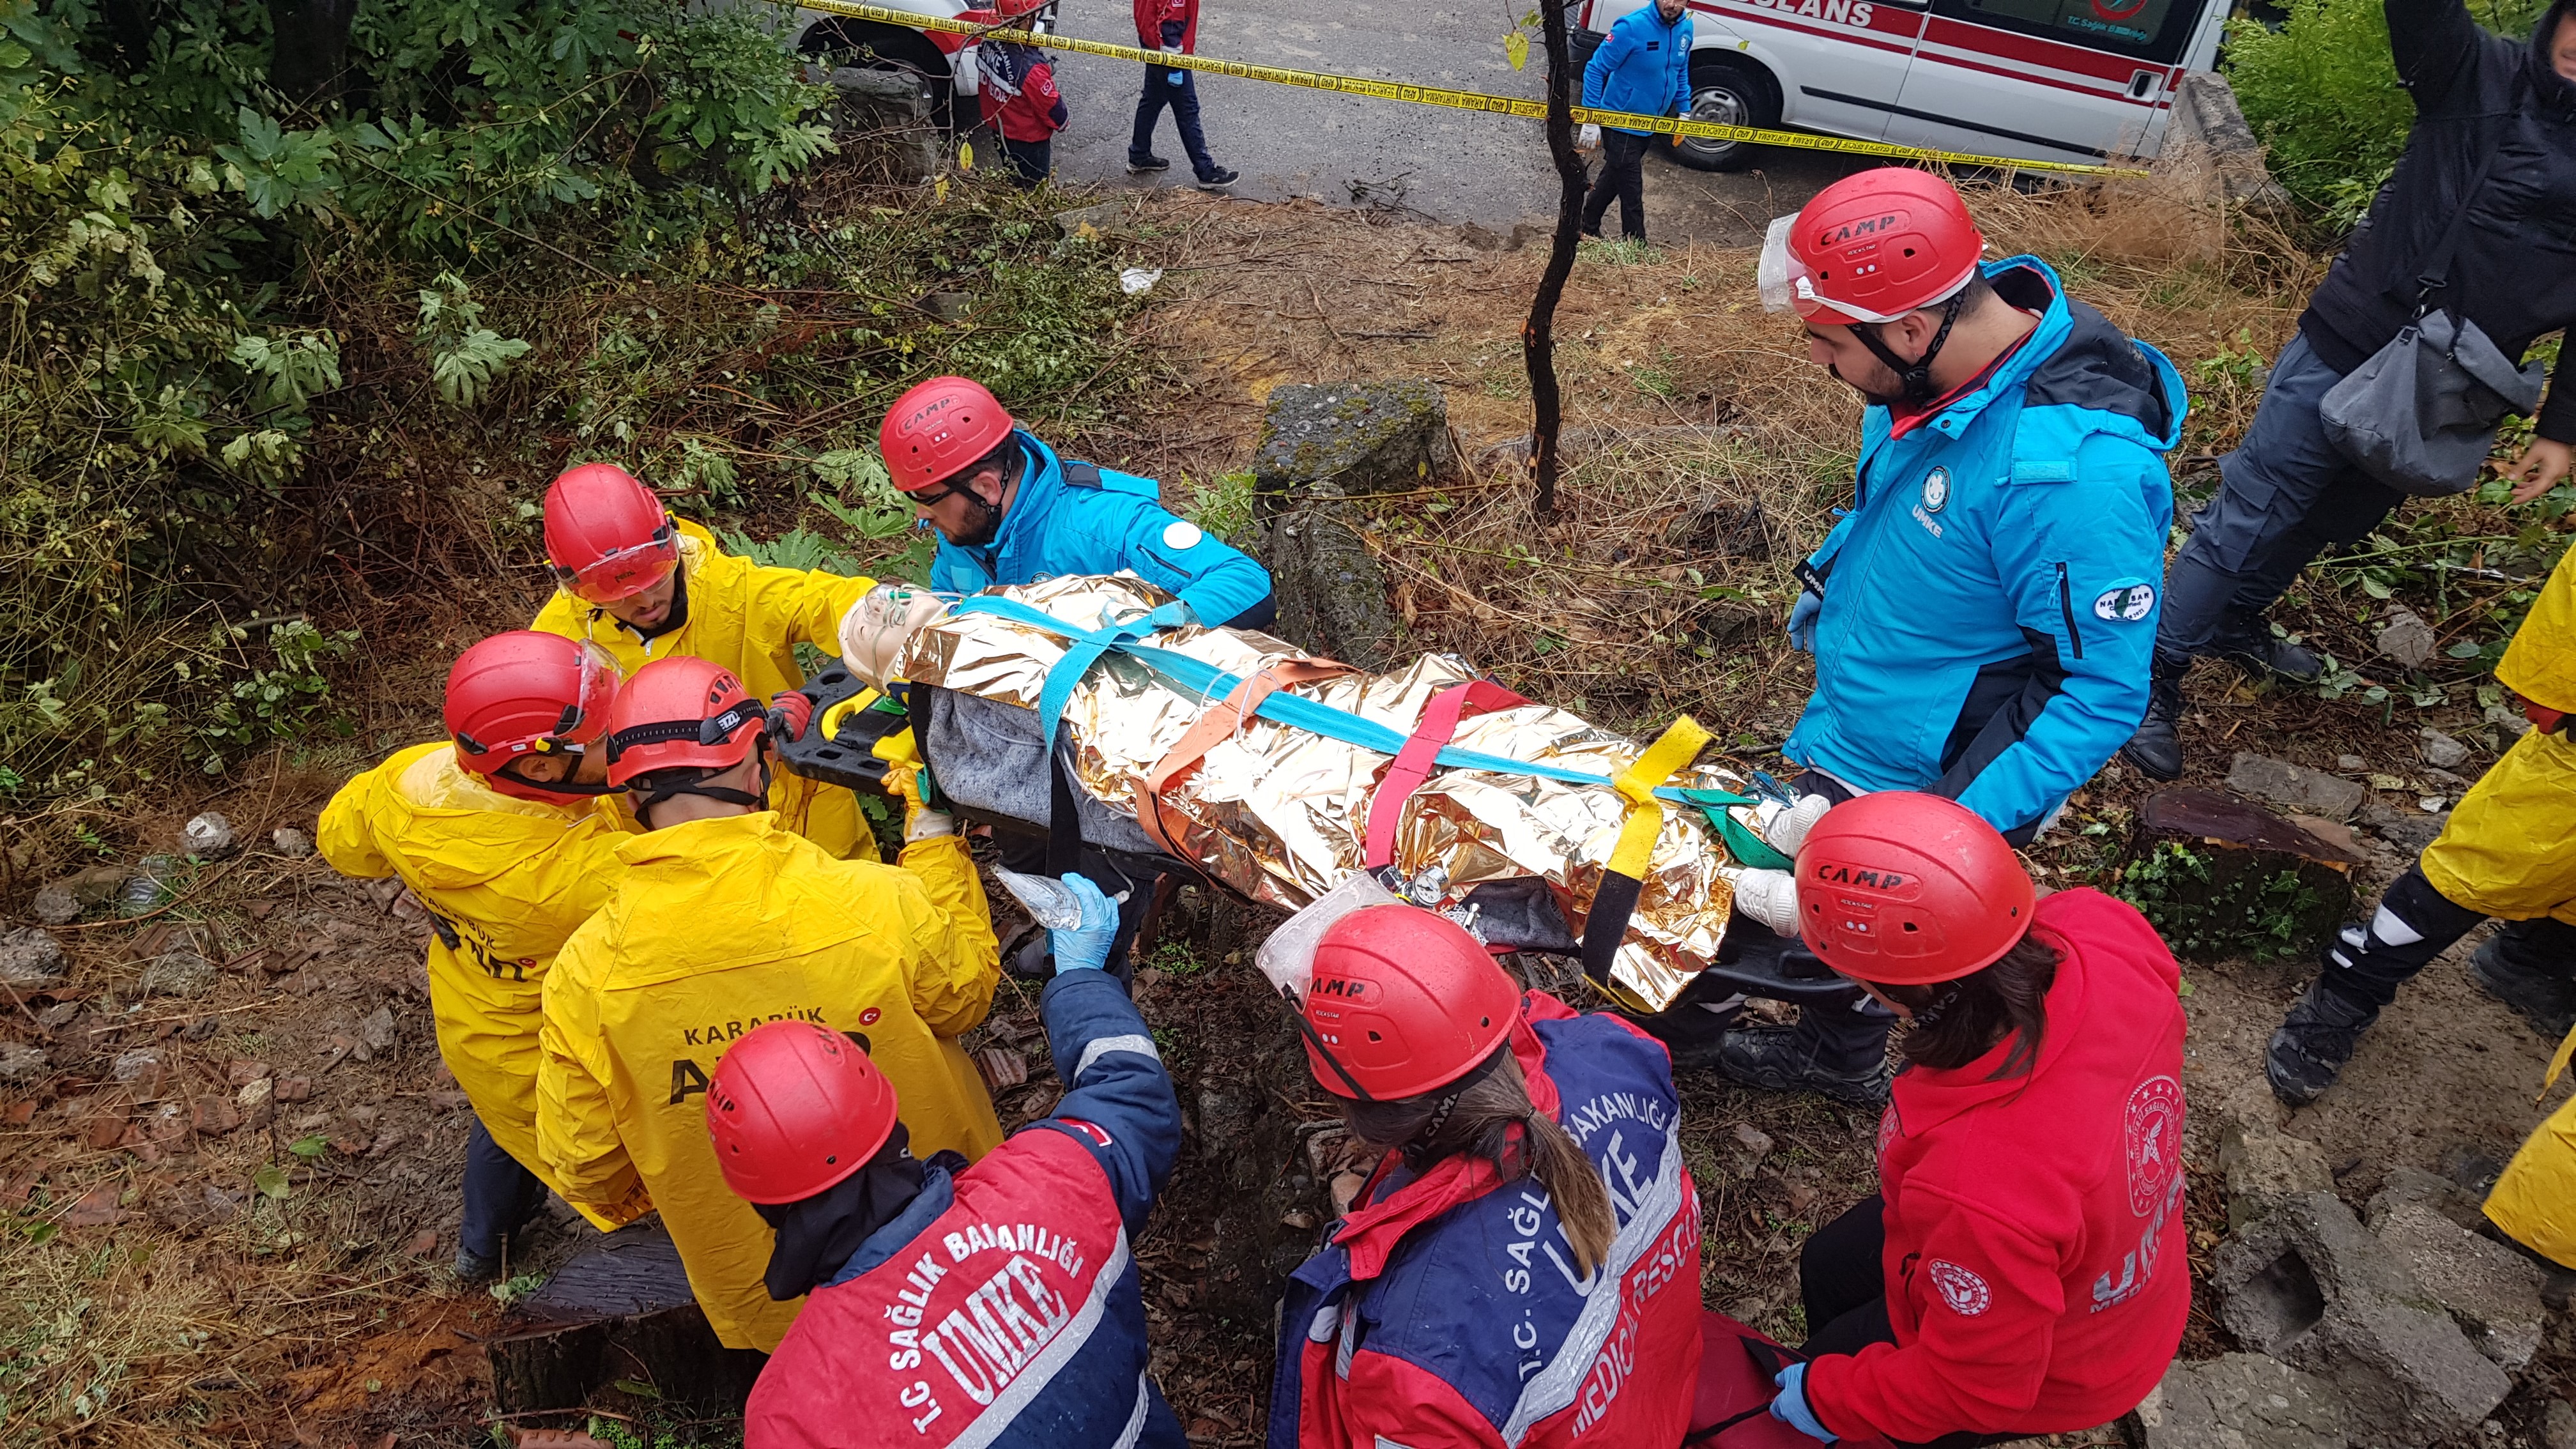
[840, 713]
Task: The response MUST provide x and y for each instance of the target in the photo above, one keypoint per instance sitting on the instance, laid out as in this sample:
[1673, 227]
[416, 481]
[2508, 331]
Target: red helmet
[607, 536]
[523, 693]
[795, 1108]
[937, 428]
[1905, 889]
[1403, 1001]
[681, 713]
[1871, 248]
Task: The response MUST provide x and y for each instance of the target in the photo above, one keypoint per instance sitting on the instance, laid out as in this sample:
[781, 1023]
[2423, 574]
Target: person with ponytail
[1522, 1266]
[2021, 1270]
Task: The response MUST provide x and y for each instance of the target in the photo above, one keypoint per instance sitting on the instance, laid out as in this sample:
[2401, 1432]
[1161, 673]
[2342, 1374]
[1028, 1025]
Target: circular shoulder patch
[1965, 1292]
[1180, 533]
[2125, 603]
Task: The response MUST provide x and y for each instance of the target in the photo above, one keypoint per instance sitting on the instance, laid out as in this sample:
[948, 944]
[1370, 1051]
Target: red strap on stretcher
[1161, 822]
[1414, 763]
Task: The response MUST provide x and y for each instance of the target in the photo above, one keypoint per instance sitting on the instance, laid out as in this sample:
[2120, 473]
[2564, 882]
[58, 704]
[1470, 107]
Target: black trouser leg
[1623, 178]
[1030, 161]
[500, 1195]
[2545, 946]
[1843, 1284]
[2368, 960]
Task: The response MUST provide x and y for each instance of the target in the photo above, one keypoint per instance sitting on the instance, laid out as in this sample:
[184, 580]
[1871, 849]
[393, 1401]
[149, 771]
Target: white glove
[1788, 829]
[1771, 897]
[880, 625]
[924, 825]
[1590, 138]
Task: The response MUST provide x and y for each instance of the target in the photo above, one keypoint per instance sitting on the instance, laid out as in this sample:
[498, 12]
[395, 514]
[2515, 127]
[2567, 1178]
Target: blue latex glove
[1174, 77]
[1791, 1407]
[1086, 947]
[1802, 621]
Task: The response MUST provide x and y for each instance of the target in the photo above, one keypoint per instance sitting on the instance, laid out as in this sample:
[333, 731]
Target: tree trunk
[309, 48]
[1538, 334]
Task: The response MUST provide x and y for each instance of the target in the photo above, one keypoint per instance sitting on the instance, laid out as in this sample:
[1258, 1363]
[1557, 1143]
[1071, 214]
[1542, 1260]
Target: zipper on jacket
[2066, 605]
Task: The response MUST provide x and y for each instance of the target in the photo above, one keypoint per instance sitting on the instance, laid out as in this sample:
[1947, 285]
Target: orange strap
[1161, 822]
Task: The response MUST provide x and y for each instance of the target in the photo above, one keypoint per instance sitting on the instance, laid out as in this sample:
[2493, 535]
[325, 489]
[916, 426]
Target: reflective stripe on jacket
[1446, 1311]
[2035, 1262]
[749, 618]
[507, 881]
[1055, 528]
[1991, 599]
[717, 926]
[1003, 1307]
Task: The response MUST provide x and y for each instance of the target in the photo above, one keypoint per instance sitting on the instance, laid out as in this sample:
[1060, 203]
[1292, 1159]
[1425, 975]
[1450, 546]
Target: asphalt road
[1453, 166]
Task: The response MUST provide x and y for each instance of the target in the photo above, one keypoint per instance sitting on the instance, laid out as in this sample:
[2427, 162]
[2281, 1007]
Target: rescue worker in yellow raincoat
[724, 920]
[2509, 851]
[644, 585]
[501, 832]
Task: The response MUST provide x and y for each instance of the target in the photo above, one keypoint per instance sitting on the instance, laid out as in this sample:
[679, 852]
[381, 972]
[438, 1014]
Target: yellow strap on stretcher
[1675, 748]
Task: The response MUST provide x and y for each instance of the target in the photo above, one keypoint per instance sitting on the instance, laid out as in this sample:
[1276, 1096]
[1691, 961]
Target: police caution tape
[1351, 85]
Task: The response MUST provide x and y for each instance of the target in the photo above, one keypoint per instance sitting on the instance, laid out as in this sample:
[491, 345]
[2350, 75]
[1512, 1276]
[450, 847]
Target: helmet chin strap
[1915, 377]
[697, 785]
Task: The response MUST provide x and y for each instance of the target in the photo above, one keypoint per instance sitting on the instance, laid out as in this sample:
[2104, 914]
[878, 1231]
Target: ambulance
[2039, 80]
[943, 61]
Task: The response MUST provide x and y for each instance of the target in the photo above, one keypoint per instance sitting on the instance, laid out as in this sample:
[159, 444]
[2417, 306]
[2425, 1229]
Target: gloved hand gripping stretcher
[1284, 776]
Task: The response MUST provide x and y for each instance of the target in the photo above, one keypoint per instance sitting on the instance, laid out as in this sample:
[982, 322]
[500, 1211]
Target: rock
[2209, 140]
[1330, 588]
[2242, 1401]
[1361, 437]
[887, 114]
[55, 906]
[294, 1089]
[22, 1062]
[1107, 218]
[2295, 787]
[2490, 1290]
[94, 885]
[2407, 639]
[31, 959]
[2558, 1425]
[2265, 1169]
[2414, 1187]
[177, 973]
[214, 1116]
[140, 1068]
[208, 837]
[1747, 1146]
[2351, 764]
[147, 888]
[376, 1033]
[256, 1102]
[2403, 829]
[2305, 1284]
[241, 1072]
[2440, 750]
[290, 842]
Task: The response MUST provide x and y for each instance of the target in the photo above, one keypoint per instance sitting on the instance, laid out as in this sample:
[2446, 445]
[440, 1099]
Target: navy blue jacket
[1002, 1308]
[1643, 67]
[1056, 527]
[1990, 602]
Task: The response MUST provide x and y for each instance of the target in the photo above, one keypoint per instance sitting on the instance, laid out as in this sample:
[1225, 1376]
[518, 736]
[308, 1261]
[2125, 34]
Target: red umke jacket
[1168, 25]
[2035, 1263]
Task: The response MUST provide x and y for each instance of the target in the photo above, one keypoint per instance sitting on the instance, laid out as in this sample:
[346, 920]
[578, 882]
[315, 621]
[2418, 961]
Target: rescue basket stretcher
[1093, 712]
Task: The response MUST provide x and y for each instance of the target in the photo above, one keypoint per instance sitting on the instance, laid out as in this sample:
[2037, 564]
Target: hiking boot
[472, 1268]
[2545, 998]
[2318, 1037]
[2156, 748]
[2250, 645]
[1777, 1059]
[1219, 179]
[1147, 166]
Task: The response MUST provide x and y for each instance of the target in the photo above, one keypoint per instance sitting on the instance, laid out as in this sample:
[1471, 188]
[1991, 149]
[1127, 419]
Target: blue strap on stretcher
[1195, 676]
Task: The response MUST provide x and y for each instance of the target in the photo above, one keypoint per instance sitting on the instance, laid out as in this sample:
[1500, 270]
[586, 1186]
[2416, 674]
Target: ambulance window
[2144, 29]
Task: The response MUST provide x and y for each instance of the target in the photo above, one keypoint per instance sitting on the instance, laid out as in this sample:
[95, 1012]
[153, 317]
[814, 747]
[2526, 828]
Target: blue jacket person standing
[1644, 67]
[996, 1304]
[1983, 617]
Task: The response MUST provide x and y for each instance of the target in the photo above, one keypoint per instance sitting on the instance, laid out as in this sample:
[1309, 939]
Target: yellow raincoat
[718, 926]
[2534, 1200]
[510, 879]
[748, 618]
[2510, 848]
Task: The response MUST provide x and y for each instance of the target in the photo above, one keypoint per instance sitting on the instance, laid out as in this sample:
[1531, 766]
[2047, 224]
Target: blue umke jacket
[1643, 67]
[1990, 600]
[1073, 518]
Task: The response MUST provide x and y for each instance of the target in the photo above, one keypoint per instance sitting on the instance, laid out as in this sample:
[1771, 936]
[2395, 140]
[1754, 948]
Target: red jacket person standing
[1522, 1269]
[2021, 1271]
[1017, 88]
[1171, 25]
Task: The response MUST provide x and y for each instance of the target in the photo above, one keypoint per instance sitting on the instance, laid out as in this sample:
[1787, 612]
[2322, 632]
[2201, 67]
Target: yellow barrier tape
[1351, 85]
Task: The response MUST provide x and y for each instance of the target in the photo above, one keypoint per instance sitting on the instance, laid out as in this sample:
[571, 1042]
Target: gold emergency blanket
[1281, 814]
